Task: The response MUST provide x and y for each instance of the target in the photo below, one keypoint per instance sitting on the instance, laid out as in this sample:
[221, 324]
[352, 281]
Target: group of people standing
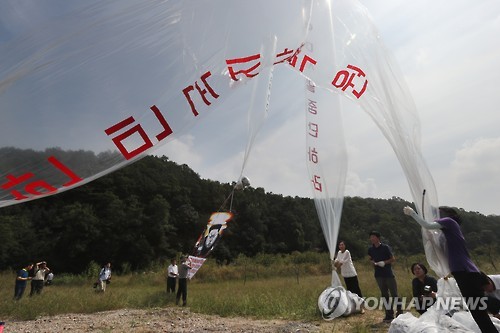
[178, 273]
[39, 275]
[470, 280]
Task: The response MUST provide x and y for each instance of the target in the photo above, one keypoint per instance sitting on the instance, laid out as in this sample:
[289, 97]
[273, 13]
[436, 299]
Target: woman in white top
[347, 269]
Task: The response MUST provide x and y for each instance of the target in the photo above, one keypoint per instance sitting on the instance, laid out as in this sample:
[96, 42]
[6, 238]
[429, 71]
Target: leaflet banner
[196, 263]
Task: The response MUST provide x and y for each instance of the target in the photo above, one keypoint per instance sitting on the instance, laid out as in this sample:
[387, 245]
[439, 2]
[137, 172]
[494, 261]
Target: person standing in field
[38, 279]
[183, 277]
[463, 269]
[381, 258]
[22, 281]
[172, 273]
[347, 270]
[104, 277]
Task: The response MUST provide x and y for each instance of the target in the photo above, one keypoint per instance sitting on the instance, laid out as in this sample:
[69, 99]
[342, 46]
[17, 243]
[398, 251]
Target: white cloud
[355, 186]
[182, 150]
[473, 178]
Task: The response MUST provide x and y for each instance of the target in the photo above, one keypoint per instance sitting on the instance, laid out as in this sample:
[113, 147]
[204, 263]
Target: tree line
[154, 209]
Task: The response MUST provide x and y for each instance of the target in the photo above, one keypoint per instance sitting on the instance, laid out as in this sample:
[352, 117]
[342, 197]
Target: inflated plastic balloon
[334, 302]
[242, 183]
[88, 87]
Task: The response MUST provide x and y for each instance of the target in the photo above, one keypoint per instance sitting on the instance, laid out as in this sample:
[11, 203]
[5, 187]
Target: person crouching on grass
[424, 287]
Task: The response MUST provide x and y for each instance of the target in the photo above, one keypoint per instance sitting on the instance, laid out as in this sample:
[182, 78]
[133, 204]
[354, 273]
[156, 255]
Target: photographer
[424, 287]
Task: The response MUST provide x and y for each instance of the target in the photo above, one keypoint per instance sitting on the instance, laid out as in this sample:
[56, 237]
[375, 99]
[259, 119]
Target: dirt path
[172, 320]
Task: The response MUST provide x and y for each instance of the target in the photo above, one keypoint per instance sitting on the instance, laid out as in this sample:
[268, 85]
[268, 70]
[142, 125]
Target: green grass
[272, 298]
[267, 287]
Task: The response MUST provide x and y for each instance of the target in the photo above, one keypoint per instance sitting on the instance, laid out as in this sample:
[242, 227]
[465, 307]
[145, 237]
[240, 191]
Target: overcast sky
[449, 54]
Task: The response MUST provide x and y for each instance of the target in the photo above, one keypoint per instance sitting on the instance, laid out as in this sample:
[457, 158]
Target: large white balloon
[117, 79]
[88, 87]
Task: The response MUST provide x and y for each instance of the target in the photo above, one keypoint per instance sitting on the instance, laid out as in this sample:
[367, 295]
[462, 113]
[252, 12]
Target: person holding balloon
[463, 269]
[184, 268]
[347, 269]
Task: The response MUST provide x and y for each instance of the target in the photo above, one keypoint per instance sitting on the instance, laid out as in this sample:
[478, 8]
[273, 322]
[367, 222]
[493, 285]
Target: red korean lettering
[313, 155]
[293, 59]
[317, 184]
[167, 130]
[313, 129]
[344, 79]
[14, 181]
[311, 107]
[201, 91]
[305, 60]
[38, 187]
[67, 171]
[137, 130]
[286, 55]
[248, 72]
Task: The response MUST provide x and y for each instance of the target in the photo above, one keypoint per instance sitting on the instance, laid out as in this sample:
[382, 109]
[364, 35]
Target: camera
[427, 290]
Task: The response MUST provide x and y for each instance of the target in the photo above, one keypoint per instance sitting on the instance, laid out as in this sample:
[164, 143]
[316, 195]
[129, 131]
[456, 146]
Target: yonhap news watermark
[408, 303]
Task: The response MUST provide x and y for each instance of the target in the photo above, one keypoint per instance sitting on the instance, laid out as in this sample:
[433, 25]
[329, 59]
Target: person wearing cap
[381, 258]
[38, 280]
[184, 268]
[463, 269]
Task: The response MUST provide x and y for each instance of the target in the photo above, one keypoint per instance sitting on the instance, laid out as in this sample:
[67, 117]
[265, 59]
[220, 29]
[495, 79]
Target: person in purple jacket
[464, 271]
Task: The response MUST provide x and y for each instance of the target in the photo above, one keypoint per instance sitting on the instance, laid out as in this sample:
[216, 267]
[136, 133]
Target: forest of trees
[153, 209]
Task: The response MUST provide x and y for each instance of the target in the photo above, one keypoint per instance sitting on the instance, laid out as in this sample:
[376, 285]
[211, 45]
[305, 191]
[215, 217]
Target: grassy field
[267, 287]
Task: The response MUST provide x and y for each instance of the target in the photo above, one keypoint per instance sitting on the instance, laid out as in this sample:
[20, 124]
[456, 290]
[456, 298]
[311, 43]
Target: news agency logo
[406, 304]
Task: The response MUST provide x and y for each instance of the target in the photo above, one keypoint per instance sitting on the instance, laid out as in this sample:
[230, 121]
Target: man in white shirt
[172, 273]
[37, 281]
[491, 286]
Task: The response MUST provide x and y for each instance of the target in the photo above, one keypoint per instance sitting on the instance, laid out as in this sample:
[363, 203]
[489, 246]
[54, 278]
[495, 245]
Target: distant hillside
[155, 208]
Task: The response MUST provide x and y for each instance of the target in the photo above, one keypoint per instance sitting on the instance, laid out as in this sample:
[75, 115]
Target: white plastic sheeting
[120, 78]
[449, 314]
[334, 302]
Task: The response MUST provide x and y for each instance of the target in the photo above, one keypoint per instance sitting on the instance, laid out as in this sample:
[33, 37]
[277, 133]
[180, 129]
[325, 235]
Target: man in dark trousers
[184, 268]
[172, 273]
[21, 281]
[381, 258]
[38, 279]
